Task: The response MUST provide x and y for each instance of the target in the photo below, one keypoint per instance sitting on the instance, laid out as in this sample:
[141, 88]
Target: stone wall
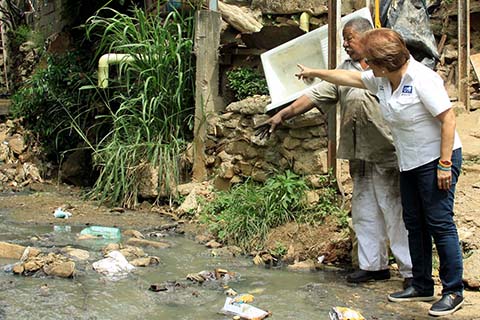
[47, 17]
[235, 153]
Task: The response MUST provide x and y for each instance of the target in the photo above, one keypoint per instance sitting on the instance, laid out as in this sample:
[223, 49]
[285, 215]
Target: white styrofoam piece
[311, 49]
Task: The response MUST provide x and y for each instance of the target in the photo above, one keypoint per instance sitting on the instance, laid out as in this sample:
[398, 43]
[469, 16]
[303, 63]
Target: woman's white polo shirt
[410, 113]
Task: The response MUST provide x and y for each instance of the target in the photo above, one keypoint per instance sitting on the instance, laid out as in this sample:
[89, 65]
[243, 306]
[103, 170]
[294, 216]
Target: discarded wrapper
[244, 310]
[344, 313]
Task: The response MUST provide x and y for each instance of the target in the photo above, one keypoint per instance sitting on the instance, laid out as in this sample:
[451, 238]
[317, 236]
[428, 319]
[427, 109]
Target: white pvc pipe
[105, 60]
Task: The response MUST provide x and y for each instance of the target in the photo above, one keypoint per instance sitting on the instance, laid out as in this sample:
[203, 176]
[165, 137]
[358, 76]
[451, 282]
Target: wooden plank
[4, 106]
[475, 60]
[463, 52]
[207, 41]
[5, 55]
[333, 44]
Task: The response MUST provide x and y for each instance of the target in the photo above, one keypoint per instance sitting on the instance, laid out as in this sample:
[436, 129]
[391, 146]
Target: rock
[62, 269]
[250, 106]
[16, 144]
[147, 243]
[77, 168]
[190, 204]
[307, 265]
[130, 252]
[213, 244]
[148, 187]
[31, 172]
[33, 265]
[471, 272]
[185, 189]
[18, 269]
[111, 247]
[4, 152]
[201, 238]
[78, 254]
[15, 251]
[228, 251]
[134, 234]
[145, 262]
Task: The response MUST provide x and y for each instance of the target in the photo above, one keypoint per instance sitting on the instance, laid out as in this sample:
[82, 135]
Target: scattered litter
[217, 274]
[59, 213]
[243, 310]
[114, 266]
[166, 286]
[244, 298]
[103, 232]
[230, 292]
[344, 313]
[321, 259]
[62, 229]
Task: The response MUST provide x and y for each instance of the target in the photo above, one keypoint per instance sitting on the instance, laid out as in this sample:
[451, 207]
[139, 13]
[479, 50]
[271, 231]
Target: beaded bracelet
[439, 167]
[445, 163]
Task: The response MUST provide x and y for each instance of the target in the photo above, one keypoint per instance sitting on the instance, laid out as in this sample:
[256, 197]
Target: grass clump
[148, 107]
[244, 215]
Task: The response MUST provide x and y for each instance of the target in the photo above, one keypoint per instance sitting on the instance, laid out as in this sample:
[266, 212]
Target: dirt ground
[37, 207]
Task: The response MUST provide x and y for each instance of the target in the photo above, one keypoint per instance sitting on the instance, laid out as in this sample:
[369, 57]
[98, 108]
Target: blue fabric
[428, 212]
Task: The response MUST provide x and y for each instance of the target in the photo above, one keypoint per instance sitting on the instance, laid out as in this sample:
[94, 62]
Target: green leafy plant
[244, 215]
[47, 99]
[245, 82]
[279, 250]
[23, 33]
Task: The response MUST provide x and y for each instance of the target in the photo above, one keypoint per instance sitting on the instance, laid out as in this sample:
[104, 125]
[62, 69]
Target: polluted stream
[90, 295]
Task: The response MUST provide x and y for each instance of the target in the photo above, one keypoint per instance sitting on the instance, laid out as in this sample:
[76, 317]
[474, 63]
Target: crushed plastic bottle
[59, 213]
[108, 233]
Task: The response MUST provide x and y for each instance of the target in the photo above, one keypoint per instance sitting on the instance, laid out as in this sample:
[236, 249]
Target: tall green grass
[149, 104]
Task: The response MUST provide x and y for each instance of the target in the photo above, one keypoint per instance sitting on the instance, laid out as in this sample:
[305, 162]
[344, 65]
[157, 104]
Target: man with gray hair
[367, 143]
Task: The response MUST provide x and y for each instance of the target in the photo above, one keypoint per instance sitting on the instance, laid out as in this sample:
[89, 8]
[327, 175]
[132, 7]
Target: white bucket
[311, 49]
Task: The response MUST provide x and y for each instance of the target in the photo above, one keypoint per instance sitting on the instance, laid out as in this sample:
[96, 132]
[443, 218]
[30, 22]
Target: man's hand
[262, 130]
[266, 128]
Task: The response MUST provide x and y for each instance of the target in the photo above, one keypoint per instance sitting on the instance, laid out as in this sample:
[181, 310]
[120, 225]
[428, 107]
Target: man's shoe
[447, 305]
[410, 294]
[407, 282]
[364, 276]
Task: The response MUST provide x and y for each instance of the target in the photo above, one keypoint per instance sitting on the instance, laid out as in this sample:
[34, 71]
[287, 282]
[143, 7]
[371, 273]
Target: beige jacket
[363, 132]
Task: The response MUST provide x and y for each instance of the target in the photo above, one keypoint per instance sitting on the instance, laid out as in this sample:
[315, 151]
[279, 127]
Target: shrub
[246, 82]
[47, 99]
[244, 215]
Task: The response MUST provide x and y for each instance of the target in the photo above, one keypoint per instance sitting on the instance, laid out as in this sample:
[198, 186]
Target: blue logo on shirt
[407, 89]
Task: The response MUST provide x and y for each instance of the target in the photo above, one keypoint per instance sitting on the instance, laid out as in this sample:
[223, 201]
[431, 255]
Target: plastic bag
[343, 313]
[410, 19]
[113, 266]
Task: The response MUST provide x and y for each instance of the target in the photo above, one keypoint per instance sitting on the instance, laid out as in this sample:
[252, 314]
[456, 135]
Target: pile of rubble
[19, 159]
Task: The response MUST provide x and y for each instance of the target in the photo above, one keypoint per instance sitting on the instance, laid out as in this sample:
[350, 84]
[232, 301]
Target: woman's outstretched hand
[305, 73]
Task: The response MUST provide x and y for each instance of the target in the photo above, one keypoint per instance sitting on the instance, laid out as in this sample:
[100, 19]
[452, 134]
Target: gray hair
[359, 24]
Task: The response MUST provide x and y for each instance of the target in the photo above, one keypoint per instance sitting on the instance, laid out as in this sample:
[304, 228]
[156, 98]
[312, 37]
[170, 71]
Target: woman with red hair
[418, 111]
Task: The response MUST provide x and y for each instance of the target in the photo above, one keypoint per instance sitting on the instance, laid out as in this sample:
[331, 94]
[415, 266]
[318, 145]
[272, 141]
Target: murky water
[288, 295]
